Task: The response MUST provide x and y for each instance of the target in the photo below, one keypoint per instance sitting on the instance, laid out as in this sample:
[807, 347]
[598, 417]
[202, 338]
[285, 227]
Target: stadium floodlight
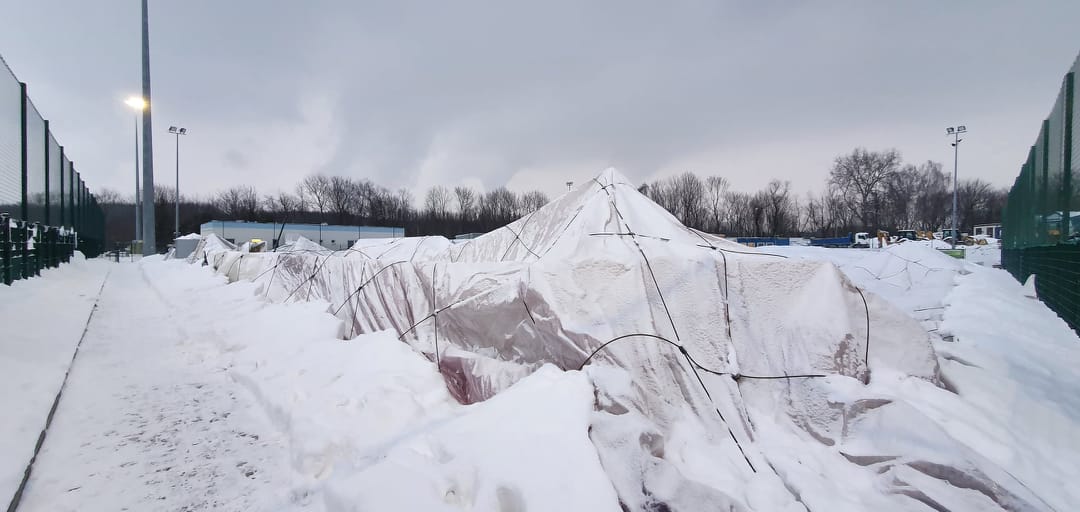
[176, 220]
[955, 132]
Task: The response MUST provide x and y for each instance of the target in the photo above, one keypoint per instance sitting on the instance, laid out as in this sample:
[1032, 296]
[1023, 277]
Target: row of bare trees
[334, 200]
[865, 191]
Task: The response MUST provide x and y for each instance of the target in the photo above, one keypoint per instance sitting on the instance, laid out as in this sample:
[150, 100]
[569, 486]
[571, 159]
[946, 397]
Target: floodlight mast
[176, 220]
[955, 133]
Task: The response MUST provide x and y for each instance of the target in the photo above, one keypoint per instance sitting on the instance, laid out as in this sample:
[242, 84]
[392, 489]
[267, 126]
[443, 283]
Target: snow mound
[724, 377]
[210, 245]
[302, 244]
[401, 249]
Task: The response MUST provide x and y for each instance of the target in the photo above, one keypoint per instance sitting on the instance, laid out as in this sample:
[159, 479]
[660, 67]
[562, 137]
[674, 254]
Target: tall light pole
[178, 132]
[149, 239]
[138, 104]
[955, 132]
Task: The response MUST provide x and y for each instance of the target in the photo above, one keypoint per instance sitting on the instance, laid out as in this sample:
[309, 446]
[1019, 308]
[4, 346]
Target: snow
[1008, 361]
[149, 421]
[603, 262]
[43, 318]
[426, 375]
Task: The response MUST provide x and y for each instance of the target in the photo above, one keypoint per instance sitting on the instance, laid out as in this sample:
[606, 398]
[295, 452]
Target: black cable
[314, 272]
[528, 279]
[263, 273]
[417, 248]
[662, 239]
[718, 413]
[517, 238]
[231, 267]
[734, 375]
[866, 357]
[648, 266]
[365, 283]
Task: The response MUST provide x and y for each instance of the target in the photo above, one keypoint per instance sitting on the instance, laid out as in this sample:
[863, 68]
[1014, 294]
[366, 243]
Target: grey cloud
[438, 92]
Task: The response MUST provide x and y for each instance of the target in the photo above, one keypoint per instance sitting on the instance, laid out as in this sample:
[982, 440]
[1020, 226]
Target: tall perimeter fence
[46, 210]
[1041, 228]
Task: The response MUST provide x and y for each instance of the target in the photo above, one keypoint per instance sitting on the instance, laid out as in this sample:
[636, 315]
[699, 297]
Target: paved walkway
[147, 422]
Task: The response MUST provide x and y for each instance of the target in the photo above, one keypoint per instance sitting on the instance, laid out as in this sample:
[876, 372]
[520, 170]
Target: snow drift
[725, 378]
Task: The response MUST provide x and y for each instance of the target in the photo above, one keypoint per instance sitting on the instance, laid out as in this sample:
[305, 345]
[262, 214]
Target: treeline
[865, 191]
[330, 199]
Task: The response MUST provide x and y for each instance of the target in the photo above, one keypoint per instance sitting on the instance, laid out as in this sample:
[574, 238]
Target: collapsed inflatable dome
[725, 378]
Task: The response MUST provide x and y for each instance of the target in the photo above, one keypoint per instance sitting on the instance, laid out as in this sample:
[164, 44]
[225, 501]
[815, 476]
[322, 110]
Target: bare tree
[110, 196]
[974, 197]
[342, 198]
[861, 176]
[899, 196]
[932, 200]
[239, 203]
[437, 202]
[497, 207]
[781, 211]
[532, 201]
[716, 190]
[316, 190]
[282, 206]
[466, 203]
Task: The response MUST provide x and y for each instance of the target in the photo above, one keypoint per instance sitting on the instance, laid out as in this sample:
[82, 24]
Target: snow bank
[370, 422]
[720, 374]
[43, 319]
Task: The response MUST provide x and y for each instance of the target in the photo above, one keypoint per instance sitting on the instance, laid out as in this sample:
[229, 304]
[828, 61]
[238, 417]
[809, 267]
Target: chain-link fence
[1041, 228]
[47, 209]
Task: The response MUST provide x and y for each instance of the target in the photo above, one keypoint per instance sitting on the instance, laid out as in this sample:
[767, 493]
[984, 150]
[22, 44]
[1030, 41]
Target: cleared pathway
[148, 423]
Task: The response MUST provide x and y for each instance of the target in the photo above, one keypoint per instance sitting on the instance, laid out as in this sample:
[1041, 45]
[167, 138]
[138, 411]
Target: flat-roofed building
[274, 234]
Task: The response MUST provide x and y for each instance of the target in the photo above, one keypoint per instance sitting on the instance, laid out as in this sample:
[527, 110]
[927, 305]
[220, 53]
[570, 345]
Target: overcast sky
[533, 94]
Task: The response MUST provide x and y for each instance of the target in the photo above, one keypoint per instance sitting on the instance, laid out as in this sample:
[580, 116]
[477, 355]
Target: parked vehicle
[861, 239]
[907, 234]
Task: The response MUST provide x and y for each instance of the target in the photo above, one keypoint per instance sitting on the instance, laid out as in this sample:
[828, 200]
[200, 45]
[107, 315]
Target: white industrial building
[326, 235]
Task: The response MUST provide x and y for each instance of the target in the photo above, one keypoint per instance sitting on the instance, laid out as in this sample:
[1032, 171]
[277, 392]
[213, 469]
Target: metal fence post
[24, 251]
[36, 240]
[23, 207]
[55, 248]
[1067, 178]
[5, 248]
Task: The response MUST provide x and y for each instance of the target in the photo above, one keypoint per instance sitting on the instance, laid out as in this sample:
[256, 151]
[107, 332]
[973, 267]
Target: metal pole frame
[955, 184]
[176, 215]
[23, 211]
[1067, 178]
[62, 208]
[149, 235]
[48, 199]
[138, 191]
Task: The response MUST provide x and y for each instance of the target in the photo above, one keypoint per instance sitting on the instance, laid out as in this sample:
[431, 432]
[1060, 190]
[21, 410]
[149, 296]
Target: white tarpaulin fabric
[708, 358]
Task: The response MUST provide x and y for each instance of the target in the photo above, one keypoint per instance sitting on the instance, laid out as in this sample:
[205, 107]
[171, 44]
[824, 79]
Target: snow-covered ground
[238, 386]
[42, 320]
[369, 424]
